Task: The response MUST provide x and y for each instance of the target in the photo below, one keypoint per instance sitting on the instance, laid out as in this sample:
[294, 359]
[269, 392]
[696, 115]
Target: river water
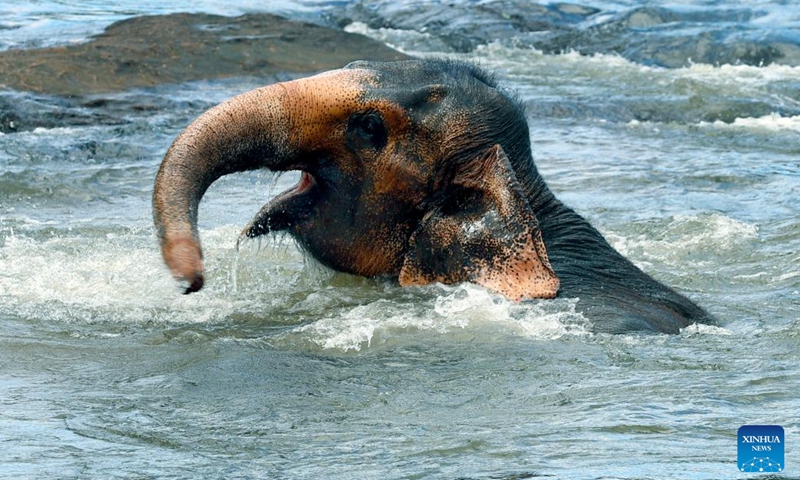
[282, 369]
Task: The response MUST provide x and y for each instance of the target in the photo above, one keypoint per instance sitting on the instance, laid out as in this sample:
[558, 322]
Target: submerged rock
[464, 24]
[661, 36]
[152, 50]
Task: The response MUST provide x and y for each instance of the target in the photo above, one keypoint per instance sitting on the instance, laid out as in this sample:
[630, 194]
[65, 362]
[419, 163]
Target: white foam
[701, 72]
[789, 275]
[523, 60]
[773, 122]
[118, 278]
[738, 75]
[699, 329]
[455, 311]
[686, 234]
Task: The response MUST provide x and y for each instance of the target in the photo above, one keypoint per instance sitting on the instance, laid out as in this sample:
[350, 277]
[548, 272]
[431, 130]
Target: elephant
[417, 170]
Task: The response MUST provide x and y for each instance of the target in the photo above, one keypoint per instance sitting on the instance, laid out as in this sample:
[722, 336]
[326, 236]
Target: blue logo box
[761, 448]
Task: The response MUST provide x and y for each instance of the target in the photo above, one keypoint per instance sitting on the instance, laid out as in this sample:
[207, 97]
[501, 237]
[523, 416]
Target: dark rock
[25, 112]
[658, 36]
[463, 25]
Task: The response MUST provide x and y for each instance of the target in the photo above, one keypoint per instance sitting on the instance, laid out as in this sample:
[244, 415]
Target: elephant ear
[481, 229]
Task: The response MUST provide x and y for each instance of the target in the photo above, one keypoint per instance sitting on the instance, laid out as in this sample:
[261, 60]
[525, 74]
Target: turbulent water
[283, 369]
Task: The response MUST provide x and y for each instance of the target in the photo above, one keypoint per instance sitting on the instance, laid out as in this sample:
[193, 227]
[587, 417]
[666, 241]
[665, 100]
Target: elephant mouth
[286, 209]
[306, 183]
[305, 186]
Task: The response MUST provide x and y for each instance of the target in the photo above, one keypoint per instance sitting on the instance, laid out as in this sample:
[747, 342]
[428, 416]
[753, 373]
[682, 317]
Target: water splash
[457, 313]
[674, 240]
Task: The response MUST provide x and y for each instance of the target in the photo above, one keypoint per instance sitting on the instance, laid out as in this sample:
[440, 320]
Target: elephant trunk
[247, 132]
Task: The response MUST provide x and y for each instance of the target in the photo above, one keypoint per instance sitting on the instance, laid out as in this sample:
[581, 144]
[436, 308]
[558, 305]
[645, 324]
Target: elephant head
[418, 170]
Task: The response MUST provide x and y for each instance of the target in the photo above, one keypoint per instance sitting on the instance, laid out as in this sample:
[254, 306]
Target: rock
[669, 37]
[465, 24]
[152, 50]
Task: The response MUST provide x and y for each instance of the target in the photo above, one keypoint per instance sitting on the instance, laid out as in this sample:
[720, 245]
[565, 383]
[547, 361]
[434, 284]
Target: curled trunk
[245, 133]
[271, 127]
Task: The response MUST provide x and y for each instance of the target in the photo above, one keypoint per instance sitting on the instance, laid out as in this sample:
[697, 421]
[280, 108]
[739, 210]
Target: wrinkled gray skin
[420, 170]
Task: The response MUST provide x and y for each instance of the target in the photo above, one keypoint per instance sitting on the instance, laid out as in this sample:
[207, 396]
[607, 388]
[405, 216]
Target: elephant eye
[366, 130]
